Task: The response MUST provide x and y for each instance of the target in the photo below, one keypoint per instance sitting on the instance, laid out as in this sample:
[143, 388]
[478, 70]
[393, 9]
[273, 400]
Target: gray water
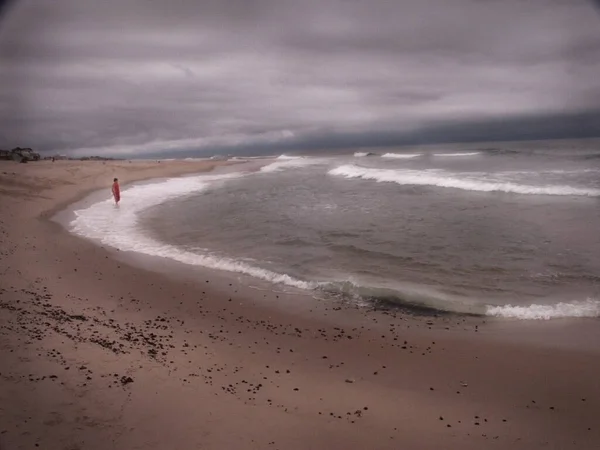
[452, 228]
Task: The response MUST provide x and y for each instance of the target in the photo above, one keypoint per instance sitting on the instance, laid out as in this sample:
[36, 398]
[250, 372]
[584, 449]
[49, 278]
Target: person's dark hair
[116, 179]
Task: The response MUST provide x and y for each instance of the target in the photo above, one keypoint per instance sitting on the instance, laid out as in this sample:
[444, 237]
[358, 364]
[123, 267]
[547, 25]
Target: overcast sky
[135, 76]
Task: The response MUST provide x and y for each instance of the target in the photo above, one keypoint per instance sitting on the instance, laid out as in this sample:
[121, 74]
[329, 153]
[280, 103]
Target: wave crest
[440, 179]
[290, 163]
[401, 155]
[457, 154]
[422, 300]
[586, 308]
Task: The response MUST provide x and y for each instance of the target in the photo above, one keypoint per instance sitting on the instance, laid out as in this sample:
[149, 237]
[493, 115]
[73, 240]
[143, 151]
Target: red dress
[116, 192]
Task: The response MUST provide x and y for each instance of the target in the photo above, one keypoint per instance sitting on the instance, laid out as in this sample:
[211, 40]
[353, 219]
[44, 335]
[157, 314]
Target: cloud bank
[172, 77]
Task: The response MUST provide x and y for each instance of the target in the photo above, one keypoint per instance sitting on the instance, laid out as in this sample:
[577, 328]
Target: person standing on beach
[116, 191]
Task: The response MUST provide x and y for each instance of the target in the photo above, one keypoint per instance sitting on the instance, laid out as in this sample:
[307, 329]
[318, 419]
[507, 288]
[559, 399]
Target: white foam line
[290, 163]
[457, 154]
[441, 179]
[119, 228]
[586, 308]
[401, 155]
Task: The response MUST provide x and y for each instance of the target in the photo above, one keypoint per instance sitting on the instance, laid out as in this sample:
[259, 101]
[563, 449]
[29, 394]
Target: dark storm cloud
[126, 77]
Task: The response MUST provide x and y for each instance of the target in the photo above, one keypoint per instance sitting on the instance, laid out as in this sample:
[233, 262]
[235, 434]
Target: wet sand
[98, 351]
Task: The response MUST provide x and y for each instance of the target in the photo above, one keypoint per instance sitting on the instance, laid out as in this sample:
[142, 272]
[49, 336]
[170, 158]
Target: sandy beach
[98, 351]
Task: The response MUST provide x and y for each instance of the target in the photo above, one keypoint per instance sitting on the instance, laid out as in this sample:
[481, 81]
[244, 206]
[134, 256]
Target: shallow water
[510, 231]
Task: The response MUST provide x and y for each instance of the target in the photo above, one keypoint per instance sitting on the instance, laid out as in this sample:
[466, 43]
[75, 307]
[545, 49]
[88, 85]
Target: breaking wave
[286, 157]
[290, 163]
[500, 151]
[363, 154]
[441, 179]
[457, 154]
[406, 296]
[587, 308]
[429, 301]
[401, 155]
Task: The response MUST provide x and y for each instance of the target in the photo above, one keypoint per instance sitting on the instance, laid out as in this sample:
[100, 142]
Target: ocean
[510, 230]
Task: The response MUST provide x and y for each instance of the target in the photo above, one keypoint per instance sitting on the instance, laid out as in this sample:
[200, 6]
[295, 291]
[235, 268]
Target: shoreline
[214, 363]
[397, 301]
[61, 213]
[186, 272]
[180, 170]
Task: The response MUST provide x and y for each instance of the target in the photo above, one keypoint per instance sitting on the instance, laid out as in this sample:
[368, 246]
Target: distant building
[20, 154]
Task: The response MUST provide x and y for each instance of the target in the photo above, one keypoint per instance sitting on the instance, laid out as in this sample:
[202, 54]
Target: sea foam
[118, 227]
[457, 154]
[290, 163]
[401, 155]
[586, 308]
[443, 179]
[428, 299]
